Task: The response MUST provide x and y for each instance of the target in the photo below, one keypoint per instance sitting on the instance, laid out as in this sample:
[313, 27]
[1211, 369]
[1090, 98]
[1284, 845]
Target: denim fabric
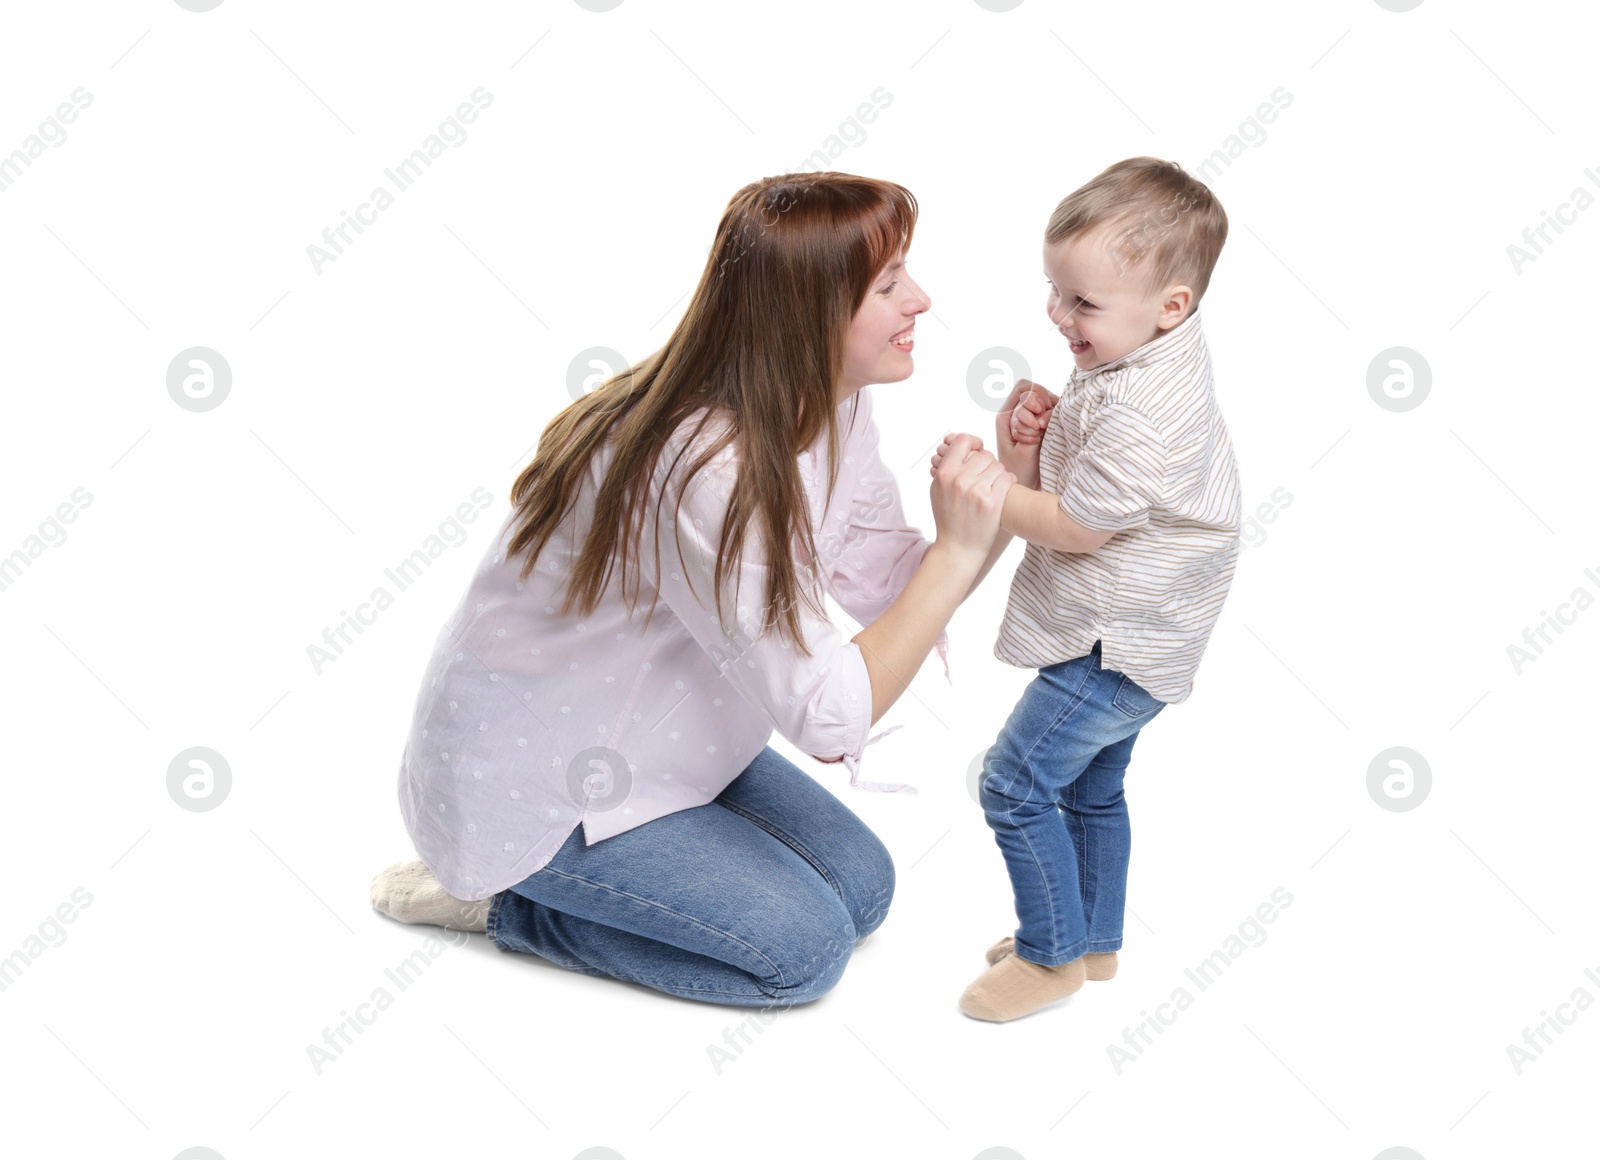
[1051, 791]
[754, 899]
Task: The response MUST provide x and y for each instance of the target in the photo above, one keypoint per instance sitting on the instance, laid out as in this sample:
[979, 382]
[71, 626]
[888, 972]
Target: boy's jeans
[1051, 790]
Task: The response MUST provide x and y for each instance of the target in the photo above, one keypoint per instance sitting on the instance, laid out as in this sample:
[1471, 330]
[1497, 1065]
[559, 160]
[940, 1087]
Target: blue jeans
[754, 899]
[1051, 791]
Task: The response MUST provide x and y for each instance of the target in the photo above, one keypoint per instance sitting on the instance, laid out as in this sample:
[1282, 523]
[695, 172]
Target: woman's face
[878, 346]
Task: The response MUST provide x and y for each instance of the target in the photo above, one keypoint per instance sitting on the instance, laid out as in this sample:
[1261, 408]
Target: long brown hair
[763, 338]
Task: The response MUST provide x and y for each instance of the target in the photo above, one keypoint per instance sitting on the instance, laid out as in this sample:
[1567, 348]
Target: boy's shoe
[1096, 966]
[1014, 987]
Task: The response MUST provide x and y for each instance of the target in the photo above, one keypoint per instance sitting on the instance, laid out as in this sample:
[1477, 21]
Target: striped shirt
[1138, 447]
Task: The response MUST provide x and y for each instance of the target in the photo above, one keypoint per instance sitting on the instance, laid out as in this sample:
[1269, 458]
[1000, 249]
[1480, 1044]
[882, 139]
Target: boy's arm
[1036, 517]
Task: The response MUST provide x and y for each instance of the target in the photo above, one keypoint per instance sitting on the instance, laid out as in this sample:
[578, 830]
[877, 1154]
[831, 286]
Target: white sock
[409, 892]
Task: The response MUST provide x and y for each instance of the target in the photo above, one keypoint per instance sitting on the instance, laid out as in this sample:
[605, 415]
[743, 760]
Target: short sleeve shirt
[1137, 447]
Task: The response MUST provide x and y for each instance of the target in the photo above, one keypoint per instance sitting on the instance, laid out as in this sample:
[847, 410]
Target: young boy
[1132, 533]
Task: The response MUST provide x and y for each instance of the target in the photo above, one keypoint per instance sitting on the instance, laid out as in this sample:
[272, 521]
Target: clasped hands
[1019, 429]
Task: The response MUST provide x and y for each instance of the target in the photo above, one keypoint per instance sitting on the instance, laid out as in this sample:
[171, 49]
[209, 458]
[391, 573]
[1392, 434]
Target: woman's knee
[813, 953]
[818, 944]
[860, 872]
[872, 894]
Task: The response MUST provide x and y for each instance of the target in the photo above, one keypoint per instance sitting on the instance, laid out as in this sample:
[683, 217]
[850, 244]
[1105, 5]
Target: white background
[370, 399]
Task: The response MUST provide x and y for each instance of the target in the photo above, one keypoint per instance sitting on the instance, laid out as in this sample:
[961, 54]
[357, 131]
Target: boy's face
[1098, 308]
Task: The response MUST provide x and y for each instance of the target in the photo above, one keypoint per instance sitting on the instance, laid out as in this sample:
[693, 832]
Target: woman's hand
[1019, 429]
[969, 489]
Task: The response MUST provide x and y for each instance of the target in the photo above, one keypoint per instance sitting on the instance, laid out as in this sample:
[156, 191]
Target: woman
[708, 866]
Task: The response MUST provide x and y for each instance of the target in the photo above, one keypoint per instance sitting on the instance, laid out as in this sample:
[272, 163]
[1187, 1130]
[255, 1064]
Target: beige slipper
[1096, 966]
[1014, 987]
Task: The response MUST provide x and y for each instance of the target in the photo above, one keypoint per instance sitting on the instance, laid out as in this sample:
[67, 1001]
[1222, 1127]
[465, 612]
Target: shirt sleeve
[1119, 474]
[872, 559]
[821, 703]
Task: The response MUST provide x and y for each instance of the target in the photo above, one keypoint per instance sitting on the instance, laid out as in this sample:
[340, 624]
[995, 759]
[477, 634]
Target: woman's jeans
[1051, 791]
[753, 899]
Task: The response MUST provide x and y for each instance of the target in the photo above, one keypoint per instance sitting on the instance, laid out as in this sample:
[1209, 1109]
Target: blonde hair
[1158, 221]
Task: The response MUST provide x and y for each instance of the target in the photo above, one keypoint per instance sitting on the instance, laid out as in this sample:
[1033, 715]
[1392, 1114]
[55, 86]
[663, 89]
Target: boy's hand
[1019, 428]
[1031, 415]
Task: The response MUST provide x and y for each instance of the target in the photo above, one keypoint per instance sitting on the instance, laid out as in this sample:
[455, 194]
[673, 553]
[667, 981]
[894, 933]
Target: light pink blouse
[528, 723]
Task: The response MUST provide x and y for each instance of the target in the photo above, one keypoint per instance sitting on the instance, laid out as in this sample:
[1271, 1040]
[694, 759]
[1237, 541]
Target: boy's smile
[1097, 306]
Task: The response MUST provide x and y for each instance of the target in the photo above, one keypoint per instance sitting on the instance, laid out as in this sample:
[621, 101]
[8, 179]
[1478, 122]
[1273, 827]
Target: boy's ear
[1174, 306]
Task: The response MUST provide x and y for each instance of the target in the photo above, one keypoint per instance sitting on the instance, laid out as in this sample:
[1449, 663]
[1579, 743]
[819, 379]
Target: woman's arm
[895, 645]
[1001, 543]
[968, 490]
